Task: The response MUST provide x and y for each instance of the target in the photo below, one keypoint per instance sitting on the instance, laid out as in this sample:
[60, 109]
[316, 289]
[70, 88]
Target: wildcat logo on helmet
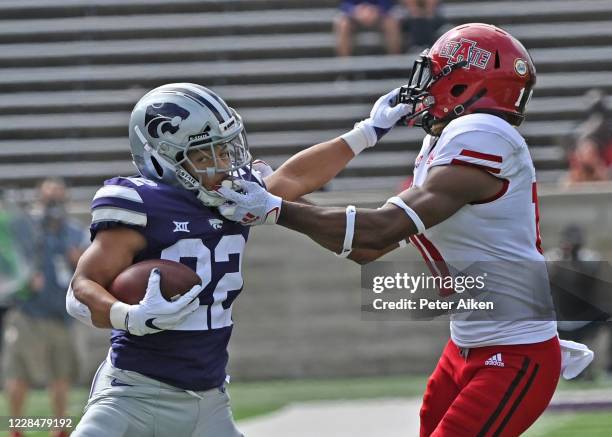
[466, 50]
[161, 118]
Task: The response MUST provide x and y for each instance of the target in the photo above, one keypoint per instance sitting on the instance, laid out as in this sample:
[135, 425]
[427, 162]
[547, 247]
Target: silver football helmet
[171, 121]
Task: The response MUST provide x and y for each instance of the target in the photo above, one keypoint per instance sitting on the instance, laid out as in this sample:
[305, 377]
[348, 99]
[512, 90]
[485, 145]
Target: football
[131, 284]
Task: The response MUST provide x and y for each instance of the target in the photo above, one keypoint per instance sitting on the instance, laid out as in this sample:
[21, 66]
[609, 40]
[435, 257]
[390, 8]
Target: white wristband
[118, 315]
[397, 201]
[361, 137]
[349, 231]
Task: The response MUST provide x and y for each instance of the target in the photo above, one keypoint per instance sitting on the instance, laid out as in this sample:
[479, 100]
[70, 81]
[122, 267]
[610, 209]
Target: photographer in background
[37, 345]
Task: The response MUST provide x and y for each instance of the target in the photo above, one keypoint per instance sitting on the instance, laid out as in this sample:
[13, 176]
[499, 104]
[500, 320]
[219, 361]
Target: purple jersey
[178, 227]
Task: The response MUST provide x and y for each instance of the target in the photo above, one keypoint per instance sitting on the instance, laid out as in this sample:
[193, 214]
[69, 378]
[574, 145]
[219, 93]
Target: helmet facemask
[417, 92]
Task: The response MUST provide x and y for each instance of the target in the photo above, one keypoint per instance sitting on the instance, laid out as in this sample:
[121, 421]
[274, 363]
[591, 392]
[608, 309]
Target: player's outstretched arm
[446, 190]
[312, 168]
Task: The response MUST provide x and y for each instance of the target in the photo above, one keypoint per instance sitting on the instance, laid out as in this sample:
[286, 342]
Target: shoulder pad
[120, 200]
[481, 143]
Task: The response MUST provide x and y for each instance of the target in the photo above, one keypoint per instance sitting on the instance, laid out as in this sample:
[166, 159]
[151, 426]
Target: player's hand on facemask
[384, 115]
[154, 313]
[252, 206]
[263, 168]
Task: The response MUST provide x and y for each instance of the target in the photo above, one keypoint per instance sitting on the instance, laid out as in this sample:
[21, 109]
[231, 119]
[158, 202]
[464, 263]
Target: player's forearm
[364, 256]
[374, 229]
[96, 298]
[324, 225]
[310, 169]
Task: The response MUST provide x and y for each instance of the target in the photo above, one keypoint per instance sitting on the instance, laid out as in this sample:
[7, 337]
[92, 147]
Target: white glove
[154, 313]
[263, 168]
[383, 117]
[253, 207]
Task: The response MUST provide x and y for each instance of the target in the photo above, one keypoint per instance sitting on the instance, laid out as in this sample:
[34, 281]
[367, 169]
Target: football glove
[383, 117]
[154, 313]
[263, 168]
[252, 206]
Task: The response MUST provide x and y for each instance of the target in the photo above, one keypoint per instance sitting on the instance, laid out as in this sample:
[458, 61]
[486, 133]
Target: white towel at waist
[575, 357]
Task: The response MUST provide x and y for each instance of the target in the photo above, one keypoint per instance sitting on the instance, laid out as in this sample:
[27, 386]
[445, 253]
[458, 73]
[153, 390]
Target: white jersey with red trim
[501, 229]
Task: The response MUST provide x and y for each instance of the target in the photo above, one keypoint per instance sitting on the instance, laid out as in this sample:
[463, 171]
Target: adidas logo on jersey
[495, 360]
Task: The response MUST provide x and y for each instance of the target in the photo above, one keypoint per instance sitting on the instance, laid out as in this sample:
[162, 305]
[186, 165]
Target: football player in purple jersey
[165, 371]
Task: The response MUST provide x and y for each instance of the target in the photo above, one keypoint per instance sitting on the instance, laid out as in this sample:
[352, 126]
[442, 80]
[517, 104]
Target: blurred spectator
[591, 158]
[37, 345]
[424, 19]
[586, 164]
[15, 271]
[367, 13]
[598, 125]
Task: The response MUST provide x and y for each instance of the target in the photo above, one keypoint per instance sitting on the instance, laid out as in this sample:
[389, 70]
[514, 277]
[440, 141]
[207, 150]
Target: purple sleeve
[347, 6]
[117, 203]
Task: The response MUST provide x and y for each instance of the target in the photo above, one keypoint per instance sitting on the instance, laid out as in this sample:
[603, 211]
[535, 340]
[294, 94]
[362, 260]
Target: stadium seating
[72, 69]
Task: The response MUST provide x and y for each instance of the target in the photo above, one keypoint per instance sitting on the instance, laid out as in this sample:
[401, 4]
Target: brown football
[130, 285]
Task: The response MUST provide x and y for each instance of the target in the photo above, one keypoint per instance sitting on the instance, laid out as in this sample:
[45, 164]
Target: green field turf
[256, 398]
[595, 424]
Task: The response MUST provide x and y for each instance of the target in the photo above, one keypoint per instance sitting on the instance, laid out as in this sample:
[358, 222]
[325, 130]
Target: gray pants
[124, 403]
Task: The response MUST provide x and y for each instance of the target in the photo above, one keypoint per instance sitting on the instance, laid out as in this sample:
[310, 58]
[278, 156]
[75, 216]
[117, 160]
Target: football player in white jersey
[473, 199]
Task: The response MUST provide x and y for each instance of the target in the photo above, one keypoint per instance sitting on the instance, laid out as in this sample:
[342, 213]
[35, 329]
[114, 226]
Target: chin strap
[428, 121]
[462, 107]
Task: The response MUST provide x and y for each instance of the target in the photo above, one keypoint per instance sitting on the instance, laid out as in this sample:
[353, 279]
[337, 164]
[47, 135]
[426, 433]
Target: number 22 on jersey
[219, 267]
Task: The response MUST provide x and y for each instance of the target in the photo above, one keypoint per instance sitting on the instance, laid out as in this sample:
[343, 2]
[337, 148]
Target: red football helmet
[471, 68]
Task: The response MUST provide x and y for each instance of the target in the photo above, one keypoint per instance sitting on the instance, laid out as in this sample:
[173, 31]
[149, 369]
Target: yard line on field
[358, 418]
